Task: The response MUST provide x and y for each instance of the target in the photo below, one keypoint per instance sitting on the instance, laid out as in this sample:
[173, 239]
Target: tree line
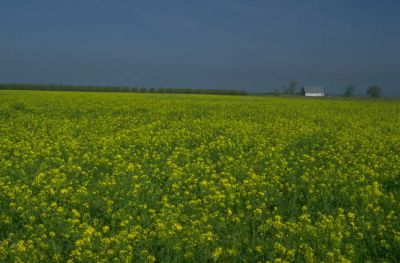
[373, 91]
[52, 87]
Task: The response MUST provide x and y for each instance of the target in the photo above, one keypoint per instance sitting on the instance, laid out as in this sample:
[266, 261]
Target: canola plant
[97, 177]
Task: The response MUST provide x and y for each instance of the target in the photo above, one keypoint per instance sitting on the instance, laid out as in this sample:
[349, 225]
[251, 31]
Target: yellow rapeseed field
[96, 177]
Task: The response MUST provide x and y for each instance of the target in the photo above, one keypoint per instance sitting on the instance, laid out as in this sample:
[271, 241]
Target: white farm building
[313, 91]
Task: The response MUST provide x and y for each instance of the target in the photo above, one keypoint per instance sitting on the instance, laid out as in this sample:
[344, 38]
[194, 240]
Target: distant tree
[302, 91]
[283, 89]
[292, 88]
[289, 90]
[374, 91]
[349, 92]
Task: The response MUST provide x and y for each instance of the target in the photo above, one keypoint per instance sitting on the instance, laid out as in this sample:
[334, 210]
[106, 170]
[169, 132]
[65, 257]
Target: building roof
[314, 89]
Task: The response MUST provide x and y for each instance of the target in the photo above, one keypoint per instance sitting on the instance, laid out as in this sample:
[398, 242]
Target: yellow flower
[178, 226]
[217, 253]
[106, 229]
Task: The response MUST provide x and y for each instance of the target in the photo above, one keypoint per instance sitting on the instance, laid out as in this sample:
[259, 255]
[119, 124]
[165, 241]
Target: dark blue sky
[243, 44]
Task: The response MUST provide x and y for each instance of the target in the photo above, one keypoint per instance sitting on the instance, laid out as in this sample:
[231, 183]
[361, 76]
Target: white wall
[314, 94]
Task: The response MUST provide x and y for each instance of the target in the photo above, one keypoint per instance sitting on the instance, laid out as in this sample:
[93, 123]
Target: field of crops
[102, 177]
